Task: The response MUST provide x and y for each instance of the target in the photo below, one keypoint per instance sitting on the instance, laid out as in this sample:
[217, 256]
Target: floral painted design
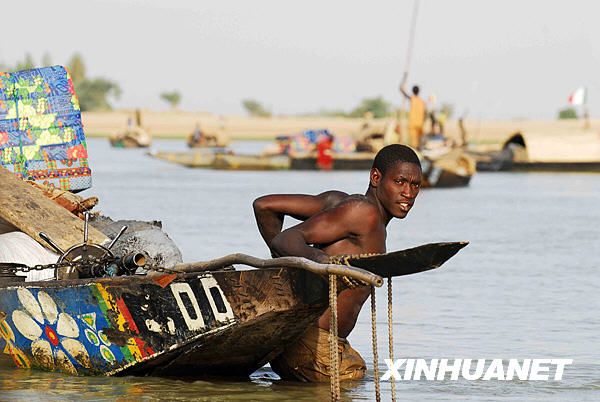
[53, 334]
[17, 354]
[97, 338]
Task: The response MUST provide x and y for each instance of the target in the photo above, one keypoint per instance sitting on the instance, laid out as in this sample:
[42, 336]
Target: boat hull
[225, 323]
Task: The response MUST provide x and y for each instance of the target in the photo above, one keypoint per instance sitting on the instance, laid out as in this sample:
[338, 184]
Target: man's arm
[350, 218]
[270, 210]
[403, 86]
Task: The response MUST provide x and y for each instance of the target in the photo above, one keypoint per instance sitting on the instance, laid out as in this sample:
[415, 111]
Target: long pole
[411, 35]
[409, 51]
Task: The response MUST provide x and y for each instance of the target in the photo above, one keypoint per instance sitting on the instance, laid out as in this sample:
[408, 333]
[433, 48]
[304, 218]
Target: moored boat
[199, 158]
[451, 169]
[576, 150]
[134, 137]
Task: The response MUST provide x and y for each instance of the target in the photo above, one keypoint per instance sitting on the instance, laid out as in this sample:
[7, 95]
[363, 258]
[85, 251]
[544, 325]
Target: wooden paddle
[409, 261]
[26, 207]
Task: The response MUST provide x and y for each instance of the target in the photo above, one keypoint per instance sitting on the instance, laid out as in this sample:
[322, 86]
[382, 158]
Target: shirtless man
[335, 223]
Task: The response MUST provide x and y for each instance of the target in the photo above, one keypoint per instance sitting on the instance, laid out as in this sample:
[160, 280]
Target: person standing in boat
[335, 224]
[417, 114]
[325, 151]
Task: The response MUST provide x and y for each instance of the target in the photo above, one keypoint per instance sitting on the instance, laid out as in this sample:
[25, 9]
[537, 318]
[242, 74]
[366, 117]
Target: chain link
[98, 265]
[95, 264]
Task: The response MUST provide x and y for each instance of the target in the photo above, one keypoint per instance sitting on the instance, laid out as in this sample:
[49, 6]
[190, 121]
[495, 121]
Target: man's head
[416, 90]
[396, 179]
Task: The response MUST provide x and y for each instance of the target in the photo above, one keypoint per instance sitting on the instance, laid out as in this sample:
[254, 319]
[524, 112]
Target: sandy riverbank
[179, 124]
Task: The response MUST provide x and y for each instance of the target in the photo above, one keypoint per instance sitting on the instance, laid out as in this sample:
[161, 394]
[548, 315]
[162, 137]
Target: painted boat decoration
[226, 323]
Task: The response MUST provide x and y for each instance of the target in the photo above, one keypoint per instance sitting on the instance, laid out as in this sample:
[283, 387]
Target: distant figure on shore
[417, 114]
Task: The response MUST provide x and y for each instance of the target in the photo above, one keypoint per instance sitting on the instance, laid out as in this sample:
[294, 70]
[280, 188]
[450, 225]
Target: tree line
[94, 93]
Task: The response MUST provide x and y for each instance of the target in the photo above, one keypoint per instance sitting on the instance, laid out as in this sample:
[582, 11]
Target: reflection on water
[525, 287]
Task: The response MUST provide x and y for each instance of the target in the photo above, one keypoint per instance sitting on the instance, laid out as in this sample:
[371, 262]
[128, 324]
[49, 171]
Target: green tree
[172, 98]
[77, 69]
[378, 106]
[567, 113]
[93, 93]
[254, 108]
[26, 64]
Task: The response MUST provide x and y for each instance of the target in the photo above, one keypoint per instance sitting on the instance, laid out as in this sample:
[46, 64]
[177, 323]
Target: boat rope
[391, 333]
[334, 368]
[374, 344]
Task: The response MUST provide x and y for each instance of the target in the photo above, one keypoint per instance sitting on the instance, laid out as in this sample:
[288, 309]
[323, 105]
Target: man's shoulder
[359, 202]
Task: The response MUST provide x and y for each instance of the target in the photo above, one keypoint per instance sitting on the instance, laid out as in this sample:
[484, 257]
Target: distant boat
[133, 137]
[452, 169]
[576, 150]
[200, 139]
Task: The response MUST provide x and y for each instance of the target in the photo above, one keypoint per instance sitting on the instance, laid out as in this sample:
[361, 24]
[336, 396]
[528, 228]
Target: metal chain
[334, 368]
[391, 333]
[14, 267]
[103, 262]
[374, 344]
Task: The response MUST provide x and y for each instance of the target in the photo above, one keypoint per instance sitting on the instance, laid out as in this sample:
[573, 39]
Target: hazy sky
[495, 59]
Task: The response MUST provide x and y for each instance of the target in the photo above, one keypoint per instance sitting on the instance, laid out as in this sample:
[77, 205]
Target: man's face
[398, 188]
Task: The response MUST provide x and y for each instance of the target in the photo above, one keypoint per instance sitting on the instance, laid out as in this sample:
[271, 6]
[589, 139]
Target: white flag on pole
[577, 98]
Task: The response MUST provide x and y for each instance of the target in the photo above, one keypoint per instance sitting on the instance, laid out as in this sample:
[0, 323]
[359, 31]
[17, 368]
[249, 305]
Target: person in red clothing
[324, 152]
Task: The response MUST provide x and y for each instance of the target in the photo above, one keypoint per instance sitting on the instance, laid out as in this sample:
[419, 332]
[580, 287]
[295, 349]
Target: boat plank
[25, 207]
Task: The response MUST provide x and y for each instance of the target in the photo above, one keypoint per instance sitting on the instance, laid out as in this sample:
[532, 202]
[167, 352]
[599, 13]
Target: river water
[526, 286]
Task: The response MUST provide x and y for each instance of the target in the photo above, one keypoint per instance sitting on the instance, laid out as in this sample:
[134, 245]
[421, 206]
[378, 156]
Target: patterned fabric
[41, 135]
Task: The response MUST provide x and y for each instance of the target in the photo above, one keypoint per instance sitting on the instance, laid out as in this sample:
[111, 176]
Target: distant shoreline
[178, 125]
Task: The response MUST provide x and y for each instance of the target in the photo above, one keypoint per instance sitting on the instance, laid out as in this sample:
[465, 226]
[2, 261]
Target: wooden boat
[454, 169]
[226, 323]
[200, 158]
[135, 137]
[578, 150]
[451, 169]
[207, 140]
[223, 322]
[204, 158]
[250, 162]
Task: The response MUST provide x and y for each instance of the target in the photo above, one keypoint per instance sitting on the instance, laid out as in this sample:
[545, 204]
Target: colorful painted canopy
[41, 135]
